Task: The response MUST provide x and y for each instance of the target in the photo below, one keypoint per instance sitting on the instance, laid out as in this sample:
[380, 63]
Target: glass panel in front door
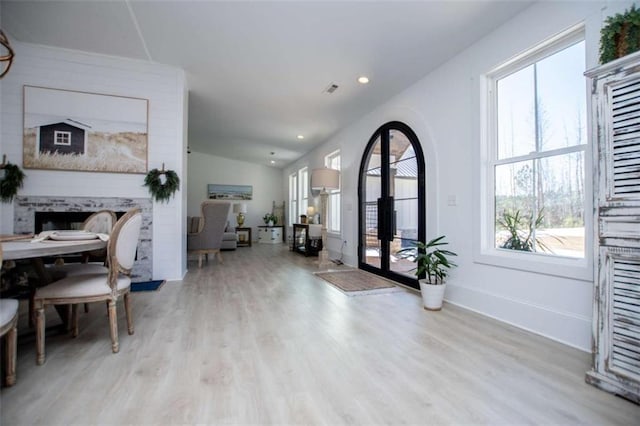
[372, 191]
[403, 181]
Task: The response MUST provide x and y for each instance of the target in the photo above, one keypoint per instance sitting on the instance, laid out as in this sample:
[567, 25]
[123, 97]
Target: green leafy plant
[521, 231]
[162, 191]
[431, 260]
[12, 180]
[270, 217]
[620, 35]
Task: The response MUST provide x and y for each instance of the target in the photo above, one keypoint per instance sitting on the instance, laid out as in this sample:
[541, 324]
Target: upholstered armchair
[208, 239]
[229, 237]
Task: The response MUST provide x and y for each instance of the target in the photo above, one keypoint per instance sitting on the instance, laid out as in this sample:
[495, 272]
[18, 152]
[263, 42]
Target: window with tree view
[538, 160]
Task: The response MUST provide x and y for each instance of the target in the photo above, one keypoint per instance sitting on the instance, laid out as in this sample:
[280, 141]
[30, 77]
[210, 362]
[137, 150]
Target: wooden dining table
[16, 249]
[26, 249]
[36, 250]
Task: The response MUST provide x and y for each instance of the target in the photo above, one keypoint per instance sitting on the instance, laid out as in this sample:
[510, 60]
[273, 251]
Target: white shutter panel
[616, 319]
[625, 319]
[625, 158]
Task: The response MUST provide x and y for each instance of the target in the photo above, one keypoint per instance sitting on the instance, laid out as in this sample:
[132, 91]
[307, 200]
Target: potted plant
[432, 263]
[270, 219]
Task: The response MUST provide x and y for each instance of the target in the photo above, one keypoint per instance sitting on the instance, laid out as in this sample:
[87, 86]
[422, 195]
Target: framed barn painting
[80, 131]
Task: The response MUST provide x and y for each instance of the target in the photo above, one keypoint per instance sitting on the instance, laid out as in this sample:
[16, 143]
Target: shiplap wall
[163, 86]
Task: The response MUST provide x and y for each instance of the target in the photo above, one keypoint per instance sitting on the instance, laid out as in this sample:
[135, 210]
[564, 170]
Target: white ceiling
[257, 70]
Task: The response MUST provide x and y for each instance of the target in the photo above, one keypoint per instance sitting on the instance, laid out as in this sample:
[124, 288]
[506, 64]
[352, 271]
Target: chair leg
[32, 310]
[11, 354]
[113, 326]
[127, 308]
[199, 260]
[74, 320]
[40, 322]
[86, 308]
[219, 256]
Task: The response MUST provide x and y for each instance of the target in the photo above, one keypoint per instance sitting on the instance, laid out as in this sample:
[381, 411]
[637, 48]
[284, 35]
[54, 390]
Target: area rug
[147, 285]
[355, 282]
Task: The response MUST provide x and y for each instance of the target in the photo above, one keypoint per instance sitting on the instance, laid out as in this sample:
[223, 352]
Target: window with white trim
[332, 161]
[293, 198]
[537, 144]
[61, 137]
[303, 190]
[298, 194]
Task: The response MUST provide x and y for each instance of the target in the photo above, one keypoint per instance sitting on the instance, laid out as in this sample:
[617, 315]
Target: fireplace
[49, 221]
[34, 214]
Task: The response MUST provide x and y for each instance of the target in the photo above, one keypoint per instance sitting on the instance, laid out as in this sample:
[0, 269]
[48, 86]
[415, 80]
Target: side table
[244, 236]
[270, 234]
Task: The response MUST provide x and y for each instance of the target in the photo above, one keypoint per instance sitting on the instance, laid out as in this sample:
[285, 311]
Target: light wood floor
[260, 340]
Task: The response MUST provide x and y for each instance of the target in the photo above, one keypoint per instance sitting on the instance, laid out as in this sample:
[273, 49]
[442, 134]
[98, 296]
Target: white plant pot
[432, 295]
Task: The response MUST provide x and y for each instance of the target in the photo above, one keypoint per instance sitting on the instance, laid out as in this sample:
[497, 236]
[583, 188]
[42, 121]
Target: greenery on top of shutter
[620, 36]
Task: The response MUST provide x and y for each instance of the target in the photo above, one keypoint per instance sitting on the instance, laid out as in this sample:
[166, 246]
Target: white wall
[444, 111]
[163, 86]
[266, 181]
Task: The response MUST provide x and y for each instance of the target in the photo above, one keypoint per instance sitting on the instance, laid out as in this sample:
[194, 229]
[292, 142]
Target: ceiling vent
[331, 88]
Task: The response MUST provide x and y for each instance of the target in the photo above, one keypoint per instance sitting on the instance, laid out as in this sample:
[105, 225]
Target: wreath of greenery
[162, 191]
[13, 178]
[620, 36]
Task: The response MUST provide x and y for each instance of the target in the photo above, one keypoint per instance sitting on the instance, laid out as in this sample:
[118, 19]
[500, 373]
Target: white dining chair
[95, 287]
[101, 222]
[9, 327]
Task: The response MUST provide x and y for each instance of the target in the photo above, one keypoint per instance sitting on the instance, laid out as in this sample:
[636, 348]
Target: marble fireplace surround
[26, 207]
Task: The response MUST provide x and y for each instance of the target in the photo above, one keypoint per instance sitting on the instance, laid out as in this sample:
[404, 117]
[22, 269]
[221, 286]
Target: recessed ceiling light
[363, 79]
[300, 137]
[273, 161]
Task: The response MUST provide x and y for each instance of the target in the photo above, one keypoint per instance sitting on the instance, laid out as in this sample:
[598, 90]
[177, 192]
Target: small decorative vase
[270, 223]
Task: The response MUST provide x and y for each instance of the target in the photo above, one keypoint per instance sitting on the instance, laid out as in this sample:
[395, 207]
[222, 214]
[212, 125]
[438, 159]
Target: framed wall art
[229, 192]
[81, 131]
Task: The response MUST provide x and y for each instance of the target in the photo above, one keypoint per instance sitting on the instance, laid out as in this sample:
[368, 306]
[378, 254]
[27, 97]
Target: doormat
[358, 283]
[147, 285]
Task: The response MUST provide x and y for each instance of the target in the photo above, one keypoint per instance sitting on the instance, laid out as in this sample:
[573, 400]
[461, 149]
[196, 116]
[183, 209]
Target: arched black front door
[391, 206]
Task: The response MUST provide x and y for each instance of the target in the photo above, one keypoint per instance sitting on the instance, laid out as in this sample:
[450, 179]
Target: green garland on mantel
[620, 35]
[13, 178]
[162, 191]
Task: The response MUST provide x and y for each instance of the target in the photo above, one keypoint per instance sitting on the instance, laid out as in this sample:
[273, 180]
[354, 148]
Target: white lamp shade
[311, 211]
[325, 178]
[240, 208]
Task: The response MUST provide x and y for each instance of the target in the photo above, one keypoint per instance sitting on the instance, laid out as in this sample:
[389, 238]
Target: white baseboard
[564, 327]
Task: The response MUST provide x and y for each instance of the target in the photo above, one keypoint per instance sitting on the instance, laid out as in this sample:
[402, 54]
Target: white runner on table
[51, 235]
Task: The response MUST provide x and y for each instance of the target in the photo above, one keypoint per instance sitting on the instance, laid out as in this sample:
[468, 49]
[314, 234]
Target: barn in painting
[63, 138]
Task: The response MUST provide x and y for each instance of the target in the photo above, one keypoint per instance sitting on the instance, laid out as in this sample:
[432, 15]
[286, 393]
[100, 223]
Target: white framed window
[303, 190]
[536, 182]
[293, 198]
[61, 138]
[298, 194]
[332, 161]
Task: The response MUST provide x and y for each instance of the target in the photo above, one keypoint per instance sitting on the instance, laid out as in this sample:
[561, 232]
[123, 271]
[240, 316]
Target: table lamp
[324, 179]
[241, 209]
[310, 212]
